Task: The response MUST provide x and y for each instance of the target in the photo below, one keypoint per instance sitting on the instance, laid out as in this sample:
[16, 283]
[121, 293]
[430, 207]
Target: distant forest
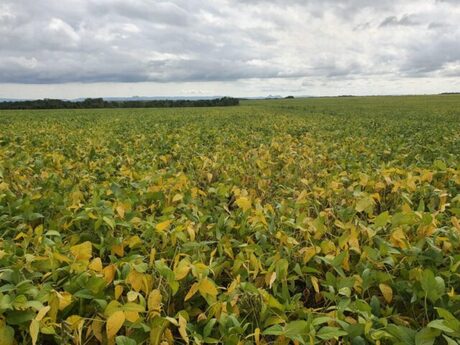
[90, 103]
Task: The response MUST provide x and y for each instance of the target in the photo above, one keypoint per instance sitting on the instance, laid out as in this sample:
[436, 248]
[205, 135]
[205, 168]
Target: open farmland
[307, 221]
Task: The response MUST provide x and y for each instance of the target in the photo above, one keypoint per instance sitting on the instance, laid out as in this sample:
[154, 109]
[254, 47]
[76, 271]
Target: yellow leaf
[314, 282]
[39, 230]
[387, 292]
[302, 196]
[112, 307]
[20, 236]
[134, 241]
[3, 186]
[427, 176]
[75, 322]
[61, 258]
[118, 249]
[96, 327]
[82, 251]
[154, 301]
[121, 209]
[135, 279]
[147, 285]
[131, 316]
[456, 223]
[183, 328]
[353, 240]
[163, 225]
[34, 328]
[136, 221]
[191, 292]
[308, 253]
[191, 233]
[257, 336]
[206, 287]
[109, 273]
[243, 203]
[234, 285]
[132, 296]
[328, 247]
[177, 197]
[42, 312]
[364, 204]
[53, 302]
[118, 291]
[398, 238]
[65, 299]
[96, 265]
[182, 269]
[114, 323]
[271, 279]
[92, 216]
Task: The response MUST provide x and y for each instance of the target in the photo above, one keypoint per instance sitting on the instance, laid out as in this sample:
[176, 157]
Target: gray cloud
[405, 20]
[423, 60]
[52, 41]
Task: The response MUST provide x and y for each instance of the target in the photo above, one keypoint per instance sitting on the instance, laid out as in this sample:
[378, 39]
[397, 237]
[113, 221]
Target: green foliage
[94, 103]
[305, 221]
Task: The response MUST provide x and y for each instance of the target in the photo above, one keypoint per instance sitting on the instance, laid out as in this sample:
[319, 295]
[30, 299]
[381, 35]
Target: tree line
[90, 103]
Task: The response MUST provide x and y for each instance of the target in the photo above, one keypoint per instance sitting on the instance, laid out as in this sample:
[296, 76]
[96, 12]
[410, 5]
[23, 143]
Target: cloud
[436, 58]
[405, 20]
[167, 13]
[183, 41]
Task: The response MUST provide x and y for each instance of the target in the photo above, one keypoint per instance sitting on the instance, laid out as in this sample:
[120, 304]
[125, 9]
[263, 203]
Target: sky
[242, 48]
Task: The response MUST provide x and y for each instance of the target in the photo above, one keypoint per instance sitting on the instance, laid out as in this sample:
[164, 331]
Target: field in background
[277, 221]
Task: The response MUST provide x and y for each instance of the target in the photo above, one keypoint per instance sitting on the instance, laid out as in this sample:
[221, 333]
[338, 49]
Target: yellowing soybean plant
[315, 221]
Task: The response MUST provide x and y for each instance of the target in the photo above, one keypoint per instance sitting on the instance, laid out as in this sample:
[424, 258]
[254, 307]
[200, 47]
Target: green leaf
[296, 329]
[5, 302]
[109, 221]
[158, 326]
[426, 336]
[6, 334]
[403, 334]
[450, 341]
[440, 324]
[450, 320]
[327, 333]
[320, 320]
[274, 330]
[375, 306]
[122, 340]
[434, 287]
[134, 307]
[209, 326]
[440, 165]
[382, 219]
[18, 317]
[365, 204]
[358, 341]
[338, 260]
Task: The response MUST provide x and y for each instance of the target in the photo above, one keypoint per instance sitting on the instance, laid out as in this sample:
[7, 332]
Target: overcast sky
[81, 48]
